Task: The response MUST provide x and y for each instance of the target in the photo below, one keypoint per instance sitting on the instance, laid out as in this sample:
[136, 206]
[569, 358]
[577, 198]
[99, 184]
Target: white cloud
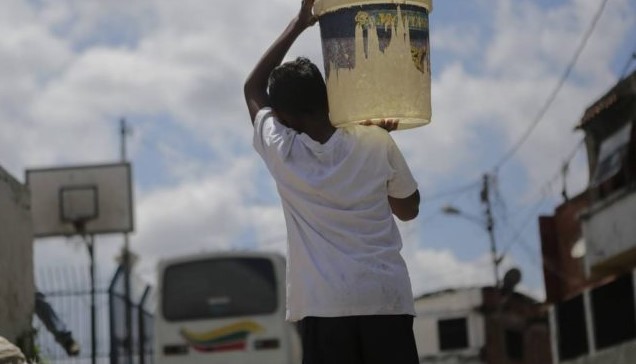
[73, 68]
[205, 214]
[437, 269]
[527, 53]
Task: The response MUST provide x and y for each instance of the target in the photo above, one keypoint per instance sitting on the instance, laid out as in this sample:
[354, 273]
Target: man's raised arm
[255, 88]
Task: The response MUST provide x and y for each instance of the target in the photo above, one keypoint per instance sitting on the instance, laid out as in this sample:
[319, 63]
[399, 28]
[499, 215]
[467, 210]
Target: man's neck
[319, 128]
[322, 133]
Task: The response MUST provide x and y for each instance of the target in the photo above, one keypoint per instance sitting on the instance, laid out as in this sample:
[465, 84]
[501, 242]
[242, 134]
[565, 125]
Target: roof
[448, 291]
[623, 89]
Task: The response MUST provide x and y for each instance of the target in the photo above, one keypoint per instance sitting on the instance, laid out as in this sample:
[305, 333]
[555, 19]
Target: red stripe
[222, 347]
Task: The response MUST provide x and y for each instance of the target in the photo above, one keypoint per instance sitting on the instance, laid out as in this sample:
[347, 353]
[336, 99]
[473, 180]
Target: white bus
[224, 308]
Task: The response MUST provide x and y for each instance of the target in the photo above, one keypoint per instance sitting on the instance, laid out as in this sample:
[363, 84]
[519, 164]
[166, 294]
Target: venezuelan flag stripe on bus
[226, 338]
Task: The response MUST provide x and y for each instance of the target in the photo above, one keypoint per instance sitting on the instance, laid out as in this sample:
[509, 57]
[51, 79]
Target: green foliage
[26, 343]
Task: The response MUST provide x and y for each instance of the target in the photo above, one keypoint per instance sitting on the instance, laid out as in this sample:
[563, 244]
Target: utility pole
[90, 243]
[490, 226]
[123, 132]
[126, 259]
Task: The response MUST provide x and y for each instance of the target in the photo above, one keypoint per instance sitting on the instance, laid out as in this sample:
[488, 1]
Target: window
[612, 155]
[514, 345]
[613, 312]
[221, 287]
[453, 334]
[571, 328]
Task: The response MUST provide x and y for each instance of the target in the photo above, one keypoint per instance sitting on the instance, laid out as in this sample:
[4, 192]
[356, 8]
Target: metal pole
[114, 348]
[142, 326]
[490, 224]
[123, 130]
[493, 253]
[127, 295]
[91, 253]
[126, 262]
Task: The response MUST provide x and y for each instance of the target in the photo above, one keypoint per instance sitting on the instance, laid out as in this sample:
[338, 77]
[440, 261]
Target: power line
[531, 253]
[519, 230]
[554, 92]
[519, 239]
[543, 264]
[539, 117]
[543, 190]
[454, 191]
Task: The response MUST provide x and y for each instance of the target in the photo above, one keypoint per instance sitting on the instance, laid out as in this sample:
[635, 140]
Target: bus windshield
[218, 288]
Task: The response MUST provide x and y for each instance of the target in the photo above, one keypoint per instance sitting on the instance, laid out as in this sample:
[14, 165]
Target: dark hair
[297, 87]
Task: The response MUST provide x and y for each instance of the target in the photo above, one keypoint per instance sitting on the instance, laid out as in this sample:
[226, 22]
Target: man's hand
[386, 124]
[306, 17]
[255, 88]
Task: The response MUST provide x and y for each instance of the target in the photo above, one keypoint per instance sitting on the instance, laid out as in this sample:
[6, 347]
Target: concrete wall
[610, 234]
[16, 259]
[448, 305]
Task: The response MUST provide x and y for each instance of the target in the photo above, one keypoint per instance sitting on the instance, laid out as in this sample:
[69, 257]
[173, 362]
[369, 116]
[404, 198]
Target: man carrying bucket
[347, 283]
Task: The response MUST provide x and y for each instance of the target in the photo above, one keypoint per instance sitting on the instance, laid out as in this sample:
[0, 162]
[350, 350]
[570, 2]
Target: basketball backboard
[96, 197]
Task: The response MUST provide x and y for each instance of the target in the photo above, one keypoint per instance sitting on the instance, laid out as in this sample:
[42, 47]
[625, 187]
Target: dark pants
[47, 315]
[378, 339]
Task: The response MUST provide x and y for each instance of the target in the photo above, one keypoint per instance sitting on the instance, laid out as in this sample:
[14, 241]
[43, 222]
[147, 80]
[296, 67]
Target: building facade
[589, 244]
[17, 289]
[481, 325]
[561, 240]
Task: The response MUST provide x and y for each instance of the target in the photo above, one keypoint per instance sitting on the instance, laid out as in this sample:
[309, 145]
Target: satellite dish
[578, 249]
[511, 279]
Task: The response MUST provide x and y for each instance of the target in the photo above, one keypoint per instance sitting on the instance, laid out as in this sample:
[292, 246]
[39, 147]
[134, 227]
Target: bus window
[219, 288]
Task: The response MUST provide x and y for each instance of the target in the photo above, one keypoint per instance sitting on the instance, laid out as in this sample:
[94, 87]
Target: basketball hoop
[82, 200]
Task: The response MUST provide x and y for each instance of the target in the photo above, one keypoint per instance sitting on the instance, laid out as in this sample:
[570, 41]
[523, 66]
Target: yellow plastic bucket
[376, 60]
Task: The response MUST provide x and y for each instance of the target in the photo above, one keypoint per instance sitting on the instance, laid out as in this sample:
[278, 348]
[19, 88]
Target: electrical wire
[544, 194]
[519, 230]
[543, 264]
[456, 193]
[553, 94]
[524, 137]
[518, 239]
[453, 191]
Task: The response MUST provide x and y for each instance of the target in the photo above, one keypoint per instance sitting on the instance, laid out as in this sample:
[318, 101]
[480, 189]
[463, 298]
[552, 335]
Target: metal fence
[136, 348]
[68, 291]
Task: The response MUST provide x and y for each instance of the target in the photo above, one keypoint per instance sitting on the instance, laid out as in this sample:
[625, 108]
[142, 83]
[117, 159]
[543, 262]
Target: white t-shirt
[343, 255]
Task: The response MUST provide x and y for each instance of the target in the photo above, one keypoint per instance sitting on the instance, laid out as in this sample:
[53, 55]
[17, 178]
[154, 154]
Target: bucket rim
[320, 9]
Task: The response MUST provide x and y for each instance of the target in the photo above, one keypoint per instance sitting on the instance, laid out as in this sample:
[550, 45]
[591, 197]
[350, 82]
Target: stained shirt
[343, 256]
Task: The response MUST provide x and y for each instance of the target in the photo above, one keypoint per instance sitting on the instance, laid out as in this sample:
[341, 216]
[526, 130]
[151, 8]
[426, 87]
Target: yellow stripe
[249, 326]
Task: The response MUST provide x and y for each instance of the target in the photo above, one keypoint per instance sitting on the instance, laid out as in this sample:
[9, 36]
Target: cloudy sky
[174, 70]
